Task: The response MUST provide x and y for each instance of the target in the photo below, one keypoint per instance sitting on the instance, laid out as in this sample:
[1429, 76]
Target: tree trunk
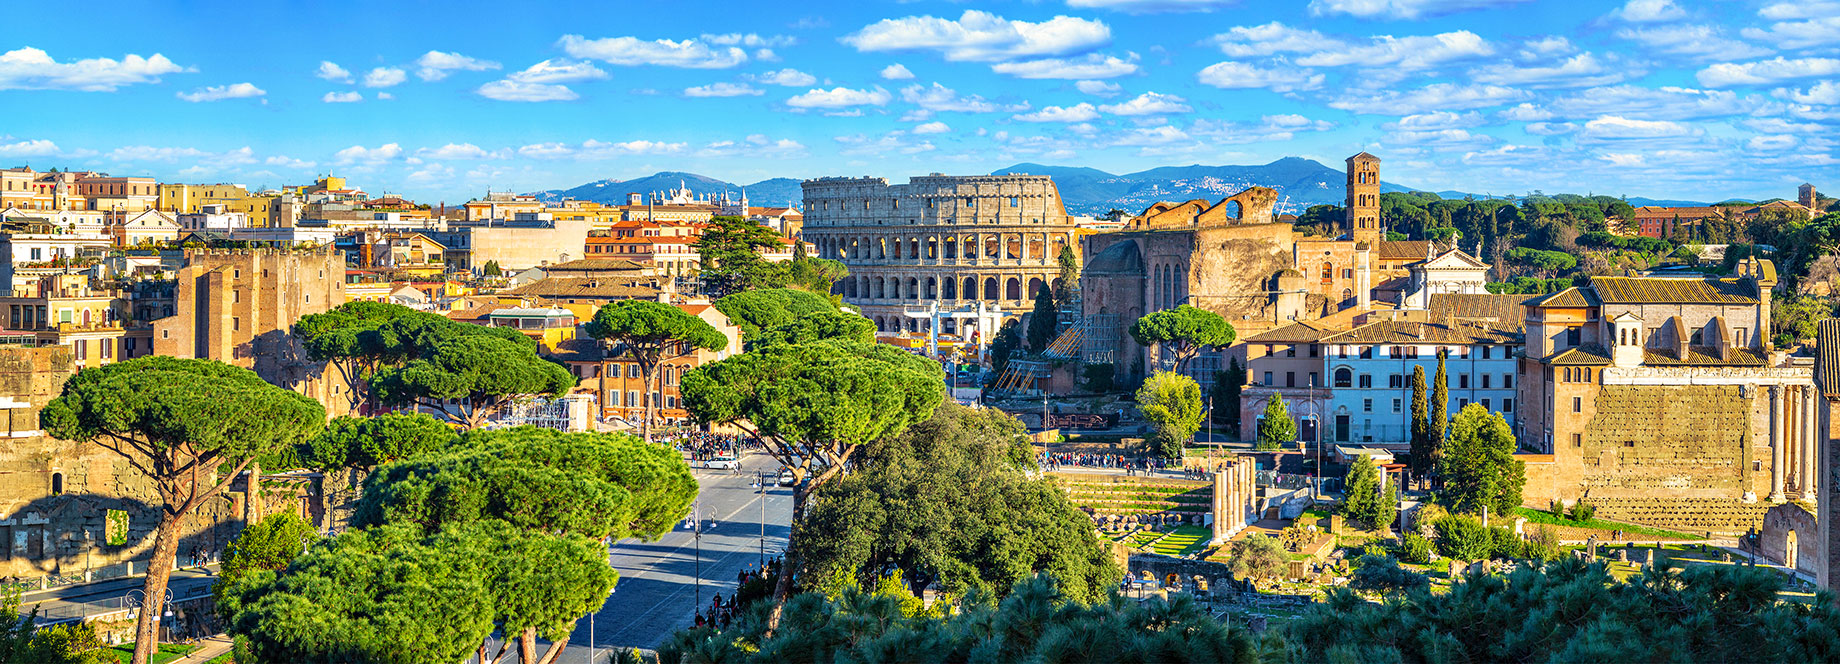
[165, 551]
[646, 375]
[789, 561]
[527, 646]
[554, 652]
[252, 499]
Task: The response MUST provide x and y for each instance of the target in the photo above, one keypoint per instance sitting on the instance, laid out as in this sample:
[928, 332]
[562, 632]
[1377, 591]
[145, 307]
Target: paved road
[102, 596]
[657, 592]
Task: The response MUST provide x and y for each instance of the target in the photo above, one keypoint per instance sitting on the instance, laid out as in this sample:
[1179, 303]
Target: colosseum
[957, 240]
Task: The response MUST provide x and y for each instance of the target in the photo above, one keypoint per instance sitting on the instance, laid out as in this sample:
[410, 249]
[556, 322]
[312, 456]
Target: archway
[990, 288]
[1012, 289]
[932, 288]
[913, 288]
[951, 288]
[971, 292]
[1035, 287]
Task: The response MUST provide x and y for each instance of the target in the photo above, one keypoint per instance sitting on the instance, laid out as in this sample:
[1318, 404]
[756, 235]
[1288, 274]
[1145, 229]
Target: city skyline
[1653, 98]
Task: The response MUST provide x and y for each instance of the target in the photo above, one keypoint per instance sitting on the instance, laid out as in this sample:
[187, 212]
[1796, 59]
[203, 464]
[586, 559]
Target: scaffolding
[555, 414]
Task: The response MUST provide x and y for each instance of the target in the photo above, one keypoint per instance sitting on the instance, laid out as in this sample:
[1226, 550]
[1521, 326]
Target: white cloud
[1099, 88]
[1080, 112]
[1153, 6]
[1798, 34]
[839, 97]
[1612, 127]
[358, 154]
[434, 65]
[385, 96]
[917, 115]
[1434, 121]
[1551, 128]
[32, 69]
[1401, 9]
[454, 151]
[723, 89]
[631, 51]
[1578, 71]
[1550, 46]
[1442, 140]
[1410, 53]
[755, 146]
[749, 40]
[1269, 128]
[1437, 96]
[982, 37]
[1509, 155]
[932, 128]
[1624, 159]
[559, 71]
[941, 99]
[1240, 75]
[1697, 42]
[515, 90]
[1767, 71]
[1090, 67]
[1526, 113]
[1149, 103]
[1163, 135]
[787, 77]
[896, 72]
[1800, 9]
[1781, 126]
[1270, 38]
[32, 148]
[151, 153]
[342, 97]
[288, 162]
[1663, 103]
[895, 141]
[220, 92]
[1649, 11]
[383, 77]
[331, 71]
[1824, 92]
[766, 55]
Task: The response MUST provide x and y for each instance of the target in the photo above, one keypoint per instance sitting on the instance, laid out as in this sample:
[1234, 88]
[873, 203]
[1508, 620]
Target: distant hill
[771, 192]
[1300, 183]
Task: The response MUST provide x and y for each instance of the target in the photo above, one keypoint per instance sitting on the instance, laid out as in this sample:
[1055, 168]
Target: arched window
[913, 288]
[57, 484]
[1328, 272]
[1013, 289]
[1344, 377]
[990, 288]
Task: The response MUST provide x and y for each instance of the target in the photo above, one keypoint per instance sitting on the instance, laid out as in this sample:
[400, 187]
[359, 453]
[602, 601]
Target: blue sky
[441, 100]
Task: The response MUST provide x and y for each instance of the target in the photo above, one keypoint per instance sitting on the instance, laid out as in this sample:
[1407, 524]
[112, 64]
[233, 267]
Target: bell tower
[1363, 206]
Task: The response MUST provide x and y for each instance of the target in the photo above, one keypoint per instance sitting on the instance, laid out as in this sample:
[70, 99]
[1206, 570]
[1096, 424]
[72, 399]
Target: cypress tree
[1440, 414]
[1421, 432]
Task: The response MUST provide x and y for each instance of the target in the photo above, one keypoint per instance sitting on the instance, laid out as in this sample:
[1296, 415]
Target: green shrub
[1414, 548]
[1541, 544]
[1557, 509]
[1463, 538]
[1503, 543]
[1381, 573]
[1583, 511]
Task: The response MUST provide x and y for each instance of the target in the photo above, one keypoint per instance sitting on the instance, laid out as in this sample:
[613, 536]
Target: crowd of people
[722, 610]
[1131, 465]
[703, 446]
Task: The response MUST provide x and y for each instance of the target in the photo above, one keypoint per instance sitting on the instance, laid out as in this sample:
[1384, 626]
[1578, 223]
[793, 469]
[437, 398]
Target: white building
[212, 218]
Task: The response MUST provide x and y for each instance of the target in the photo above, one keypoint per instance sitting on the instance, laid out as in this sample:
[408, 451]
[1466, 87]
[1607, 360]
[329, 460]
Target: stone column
[1777, 402]
[1811, 444]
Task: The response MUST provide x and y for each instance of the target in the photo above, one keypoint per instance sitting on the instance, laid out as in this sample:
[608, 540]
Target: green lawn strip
[1538, 516]
[167, 652]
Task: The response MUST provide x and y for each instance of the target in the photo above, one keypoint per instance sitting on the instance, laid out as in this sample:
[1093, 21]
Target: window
[1577, 404]
[1507, 406]
[1411, 351]
[1507, 381]
[236, 295]
[82, 349]
[1573, 336]
[1290, 379]
[1290, 351]
[1485, 381]
[1485, 404]
[236, 323]
[632, 370]
[1578, 440]
[1313, 350]
[1267, 381]
[1738, 336]
[1396, 381]
[1485, 352]
[1462, 403]
[1367, 405]
[106, 347]
[1344, 377]
[1462, 381]
[1313, 382]
[1367, 380]
[632, 399]
[1367, 352]
[1698, 338]
[1396, 404]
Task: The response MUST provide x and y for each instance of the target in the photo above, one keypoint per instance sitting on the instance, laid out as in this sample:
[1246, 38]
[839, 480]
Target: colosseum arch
[1012, 289]
[950, 288]
[951, 247]
[993, 245]
[932, 247]
[881, 289]
[990, 288]
[932, 288]
[913, 288]
[1035, 287]
[1012, 246]
[971, 289]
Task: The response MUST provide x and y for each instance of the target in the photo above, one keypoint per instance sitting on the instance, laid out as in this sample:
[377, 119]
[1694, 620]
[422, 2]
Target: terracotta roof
[598, 265]
[1295, 332]
[1642, 290]
[1506, 309]
[1827, 357]
[1701, 356]
[586, 288]
[1395, 250]
[1586, 355]
[1414, 332]
[1658, 212]
[1570, 297]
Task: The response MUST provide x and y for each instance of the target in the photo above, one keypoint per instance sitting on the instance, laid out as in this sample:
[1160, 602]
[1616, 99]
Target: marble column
[1811, 445]
[1776, 443]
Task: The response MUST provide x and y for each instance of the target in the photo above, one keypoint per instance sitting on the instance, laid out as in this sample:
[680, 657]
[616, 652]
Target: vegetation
[813, 406]
[1171, 403]
[1437, 425]
[757, 312]
[730, 250]
[1257, 557]
[1042, 321]
[650, 334]
[173, 420]
[1420, 457]
[1276, 428]
[1183, 331]
[23, 641]
[1363, 500]
[1069, 279]
[1479, 469]
[1225, 398]
[1382, 574]
[1037, 623]
[949, 503]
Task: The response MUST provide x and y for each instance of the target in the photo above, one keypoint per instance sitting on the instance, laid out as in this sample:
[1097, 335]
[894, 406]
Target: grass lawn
[1185, 540]
[1538, 516]
[168, 652]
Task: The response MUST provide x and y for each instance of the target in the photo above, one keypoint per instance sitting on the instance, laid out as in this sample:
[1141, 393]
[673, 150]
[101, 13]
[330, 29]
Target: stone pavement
[208, 650]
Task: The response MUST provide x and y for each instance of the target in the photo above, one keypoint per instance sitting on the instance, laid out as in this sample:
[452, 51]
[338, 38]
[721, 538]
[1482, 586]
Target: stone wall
[1791, 526]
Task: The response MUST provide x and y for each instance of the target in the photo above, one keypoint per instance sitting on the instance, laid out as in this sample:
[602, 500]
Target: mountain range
[1300, 183]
